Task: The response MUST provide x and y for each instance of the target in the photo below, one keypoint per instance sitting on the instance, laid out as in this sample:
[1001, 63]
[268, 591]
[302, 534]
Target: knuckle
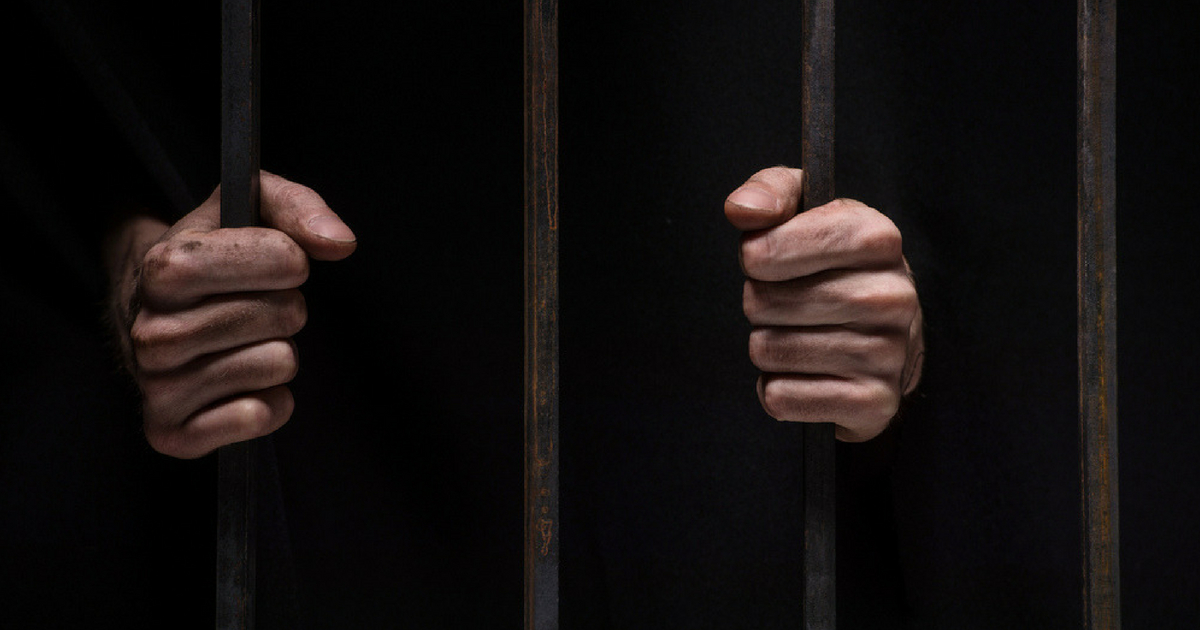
[295, 194]
[880, 402]
[292, 367]
[904, 302]
[764, 302]
[257, 417]
[145, 340]
[880, 354]
[760, 348]
[842, 204]
[290, 259]
[775, 399]
[169, 265]
[281, 411]
[891, 360]
[882, 237]
[757, 253]
[156, 257]
[752, 301]
[872, 299]
[770, 173]
[295, 263]
[153, 343]
[268, 364]
[168, 442]
[888, 299]
[844, 208]
[869, 409]
[283, 408]
[283, 360]
[855, 351]
[778, 179]
[294, 312]
[252, 417]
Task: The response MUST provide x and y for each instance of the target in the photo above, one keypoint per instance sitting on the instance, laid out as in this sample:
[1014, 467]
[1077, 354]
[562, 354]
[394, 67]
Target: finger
[172, 397]
[862, 300]
[861, 409]
[302, 214]
[166, 341]
[226, 422]
[827, 350]
[292, 208]
[842, 234]
[180, 271]
[770, 197]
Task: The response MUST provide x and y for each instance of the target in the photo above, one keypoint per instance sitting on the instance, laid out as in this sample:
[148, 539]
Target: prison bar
[237, 463]
[541, 315]
[817, 159]
[1097, 277]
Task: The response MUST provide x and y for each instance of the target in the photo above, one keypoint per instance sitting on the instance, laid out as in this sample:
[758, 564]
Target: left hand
[206, 314]
[837, 324]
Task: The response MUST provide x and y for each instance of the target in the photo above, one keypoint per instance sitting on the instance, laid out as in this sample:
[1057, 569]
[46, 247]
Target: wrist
[125, 246]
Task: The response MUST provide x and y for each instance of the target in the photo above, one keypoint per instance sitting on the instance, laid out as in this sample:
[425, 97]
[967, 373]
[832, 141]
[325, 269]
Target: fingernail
[754, 198]
[332, 228]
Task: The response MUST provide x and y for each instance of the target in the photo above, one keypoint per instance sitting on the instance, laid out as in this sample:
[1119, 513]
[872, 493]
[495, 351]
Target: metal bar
[541, 315]
[1097, 267]
[817, 159]
[237, 463]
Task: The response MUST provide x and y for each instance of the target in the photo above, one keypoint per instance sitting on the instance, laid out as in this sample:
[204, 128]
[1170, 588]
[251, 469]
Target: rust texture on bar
[1096, 145]
[817, 160]
[541, 315]
[237, 463]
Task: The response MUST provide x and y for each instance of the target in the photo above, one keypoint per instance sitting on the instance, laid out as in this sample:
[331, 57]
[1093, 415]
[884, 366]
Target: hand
[837, 325]
[206, 315]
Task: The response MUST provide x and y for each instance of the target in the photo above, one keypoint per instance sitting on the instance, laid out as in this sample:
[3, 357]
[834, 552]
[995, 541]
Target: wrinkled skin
[205, 315]
[837, 327]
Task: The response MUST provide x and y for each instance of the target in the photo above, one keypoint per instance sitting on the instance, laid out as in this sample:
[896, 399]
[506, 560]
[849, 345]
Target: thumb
[299, 212]
[769, 198]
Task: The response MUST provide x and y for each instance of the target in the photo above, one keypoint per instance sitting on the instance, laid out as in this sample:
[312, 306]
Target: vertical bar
[817, 159]
[236, 463]
[1097, 267]
[541, 315]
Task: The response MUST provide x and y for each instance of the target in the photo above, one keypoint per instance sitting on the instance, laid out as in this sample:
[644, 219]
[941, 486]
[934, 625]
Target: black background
[400, 473]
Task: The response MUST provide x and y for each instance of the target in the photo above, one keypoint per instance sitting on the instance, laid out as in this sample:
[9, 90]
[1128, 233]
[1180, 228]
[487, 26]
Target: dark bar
[1096, 145]
[239, 113]
[236, 463]
[817, 159]
[541, 315]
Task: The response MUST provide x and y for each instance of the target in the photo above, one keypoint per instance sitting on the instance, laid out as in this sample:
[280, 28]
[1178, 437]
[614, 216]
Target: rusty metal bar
[817, 159]
[237, 463]
[1096, 146]
[541, 315]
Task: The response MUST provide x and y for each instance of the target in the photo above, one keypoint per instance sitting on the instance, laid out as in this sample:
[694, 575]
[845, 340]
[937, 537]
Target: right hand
[206, 314]
[837, 323]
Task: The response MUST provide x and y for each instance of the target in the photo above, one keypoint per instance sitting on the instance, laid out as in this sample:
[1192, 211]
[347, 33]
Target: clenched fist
[206, 315]
[837, 324]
